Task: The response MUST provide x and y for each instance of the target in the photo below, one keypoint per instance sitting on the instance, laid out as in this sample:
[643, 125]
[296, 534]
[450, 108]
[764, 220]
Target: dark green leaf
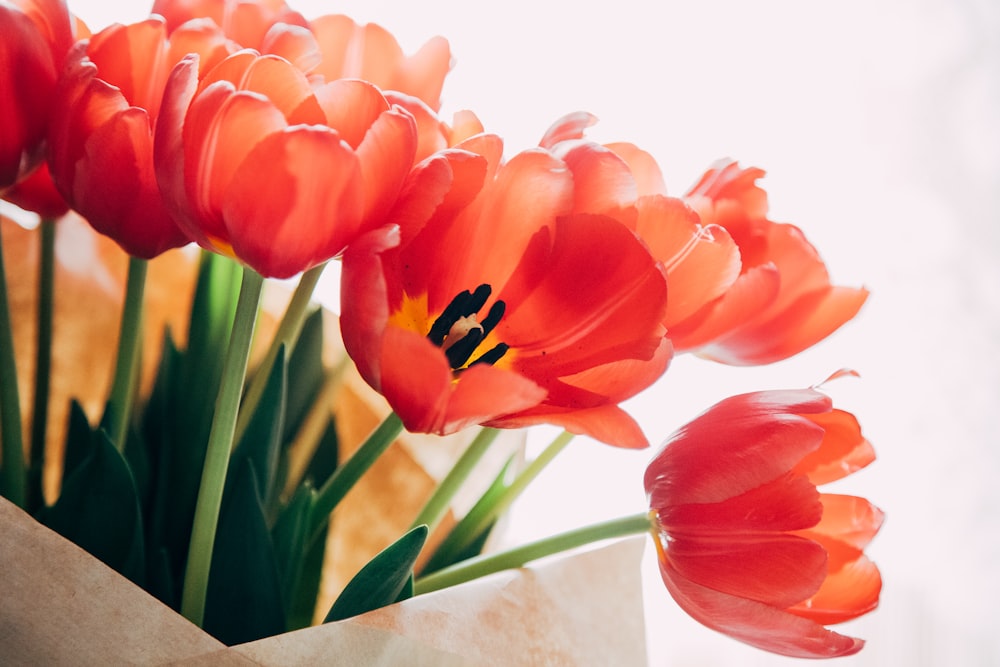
[99, 510]
[79, 440]
[261, 440]
[290, 547]
[325, 458]
[305, 373]
[382, 580]
[244, 586]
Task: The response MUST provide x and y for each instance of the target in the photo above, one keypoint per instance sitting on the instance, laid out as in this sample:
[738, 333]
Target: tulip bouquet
[480, 289]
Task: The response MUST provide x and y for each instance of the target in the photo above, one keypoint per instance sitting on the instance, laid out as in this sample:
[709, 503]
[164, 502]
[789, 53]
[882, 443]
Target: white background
[878, 125]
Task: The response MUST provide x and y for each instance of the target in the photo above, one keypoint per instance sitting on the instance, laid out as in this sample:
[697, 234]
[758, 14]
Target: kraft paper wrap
[64, 607]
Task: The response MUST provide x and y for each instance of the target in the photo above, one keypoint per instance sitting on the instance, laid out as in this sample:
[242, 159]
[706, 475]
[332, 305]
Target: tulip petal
[351, 107]
[850, 592]
[569, 127]
[606, 423]
[134, 59]
[385, 156]
[645, 170]
[737, 445]
[294, 202]
[602, 182]
[756, 623]
[844, 449]
[168, 143]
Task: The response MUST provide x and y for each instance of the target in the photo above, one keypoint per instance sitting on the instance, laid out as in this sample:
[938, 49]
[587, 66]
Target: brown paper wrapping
[62, 606]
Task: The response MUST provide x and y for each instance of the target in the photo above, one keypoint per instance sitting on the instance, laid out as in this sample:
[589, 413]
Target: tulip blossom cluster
[481, 284]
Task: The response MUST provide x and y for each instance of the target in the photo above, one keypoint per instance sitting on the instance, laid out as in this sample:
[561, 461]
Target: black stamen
[478, 299]
[460, 352]
[493, 317]
[452, 313]
[492, 355]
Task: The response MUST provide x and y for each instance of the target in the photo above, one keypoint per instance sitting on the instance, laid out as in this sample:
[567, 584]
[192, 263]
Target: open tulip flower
[37, 34]
[783, 301]
[748, 546]
[257, 164]
[496, 304]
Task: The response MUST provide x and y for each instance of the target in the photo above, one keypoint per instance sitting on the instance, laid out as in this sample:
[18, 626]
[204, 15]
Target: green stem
[12, 478]
[480, 566]
[344, 478]
[220, 440]
[437, 504]
[477, 520]
[288, 332]
[43, 363]
[123, 383]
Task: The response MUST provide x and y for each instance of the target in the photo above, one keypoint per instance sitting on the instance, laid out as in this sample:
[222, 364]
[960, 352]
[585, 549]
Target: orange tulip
[37, 34]
[701, 260]
[783, 301]
[370, 52]
[748, 546]
[245, 22]
[257, 164]
[101, 137]
[494, 303]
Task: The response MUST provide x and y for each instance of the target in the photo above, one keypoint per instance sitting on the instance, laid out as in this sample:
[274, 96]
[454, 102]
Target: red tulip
[257, 164]
[37, 34]
[246, 22]
[748, 546]
[783, 301]
[101, 138]
[495, 304]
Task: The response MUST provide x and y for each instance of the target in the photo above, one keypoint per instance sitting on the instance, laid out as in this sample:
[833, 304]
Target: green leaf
[326, 457]
[302, 606]
[289, 535]
[99, 510]
[382, 580]
[261, 441]
[459, 544]
[79, 440]
[305, 373]
[244, 587]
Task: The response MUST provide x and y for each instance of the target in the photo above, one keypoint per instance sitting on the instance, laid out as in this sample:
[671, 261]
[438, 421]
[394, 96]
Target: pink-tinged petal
[645, 170]
[844, 449]
[168, 144]
[606, 423]
[569, 127]
[233, 69]
[753, 291]
[294, 202]
[385, 156]
[222, 127]
[850, 592]
[247, 22]
[736, 445]
[790, 502]
[600, 295]
[351, 107]
[293, 43]
[333, 35]
[777, 569]
[365, 302]
[756, 623]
